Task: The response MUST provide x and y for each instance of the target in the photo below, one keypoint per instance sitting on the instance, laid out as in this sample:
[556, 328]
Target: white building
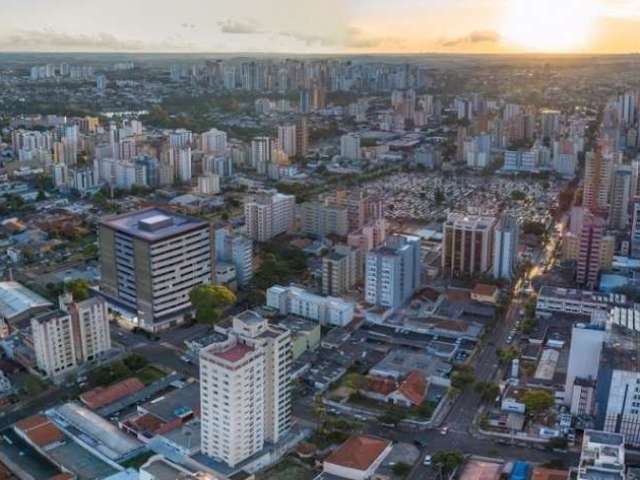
[602, 456]
[297, 301]
[269, 214]
[209, 184]
[287, 139]
[393, 272]
[238, 250]
[69, 337]
[350, 146]
[214, 141]
[505, 247]
[579, 302]
[244, 395]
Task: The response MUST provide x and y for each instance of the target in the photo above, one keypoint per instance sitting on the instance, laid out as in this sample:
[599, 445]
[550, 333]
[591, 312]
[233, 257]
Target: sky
[321, 26]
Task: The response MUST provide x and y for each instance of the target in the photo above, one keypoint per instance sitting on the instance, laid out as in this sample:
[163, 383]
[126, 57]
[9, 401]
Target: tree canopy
[448, 461]
[210, 302]
[537, 401]
[78, 288]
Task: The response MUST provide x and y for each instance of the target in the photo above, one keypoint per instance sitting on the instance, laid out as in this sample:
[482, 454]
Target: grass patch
[288, 469]
[150, 374]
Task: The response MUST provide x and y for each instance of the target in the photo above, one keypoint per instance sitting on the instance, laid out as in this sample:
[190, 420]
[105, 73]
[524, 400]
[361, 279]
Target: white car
[427, 460]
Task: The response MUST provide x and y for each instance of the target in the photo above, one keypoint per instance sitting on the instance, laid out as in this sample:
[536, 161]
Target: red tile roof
[101, 396]
[62, 476]
[484, 290]
[414, 387]
[540, 473]
[358, 452]
[235, 353]
[40, 430]
[381, 385]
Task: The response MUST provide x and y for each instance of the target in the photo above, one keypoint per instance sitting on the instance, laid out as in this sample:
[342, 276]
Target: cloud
[478, 36]
[51, 40]
[240, 26]
[310, 39]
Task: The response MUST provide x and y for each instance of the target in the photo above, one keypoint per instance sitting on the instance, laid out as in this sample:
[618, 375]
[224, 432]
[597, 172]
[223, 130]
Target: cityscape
[323, 258]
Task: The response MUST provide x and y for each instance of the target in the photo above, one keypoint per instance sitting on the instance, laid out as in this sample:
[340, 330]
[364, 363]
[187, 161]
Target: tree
[462, 377]
[518, 195]
[78, 288]
[135, 362]
[507, 355]
[487, 390]
[537, 401]
[210, 302]
[448, 461]
[401, 469]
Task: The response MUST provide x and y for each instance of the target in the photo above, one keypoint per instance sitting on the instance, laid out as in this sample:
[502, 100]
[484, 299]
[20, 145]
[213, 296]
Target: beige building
[571, 249]
[321, 220]
[339, 270]
[245, 393]
[67, 338]
[467, 245]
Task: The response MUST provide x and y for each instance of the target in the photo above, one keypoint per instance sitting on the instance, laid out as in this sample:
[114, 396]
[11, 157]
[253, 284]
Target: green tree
[401, 469]
[487, 390]
[135, 362]
[462, 377]
[78, 288]
[447, 461]
[210, 302]
[505, 356]
[537, 401]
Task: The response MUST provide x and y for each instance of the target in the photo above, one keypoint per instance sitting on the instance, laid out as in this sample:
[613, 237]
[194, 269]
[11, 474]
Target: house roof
[485, 290]
[40, 430]
[381, 385]
[235, 353]
[101, 396]
[540, 473]
[414, 387]
[358, 452]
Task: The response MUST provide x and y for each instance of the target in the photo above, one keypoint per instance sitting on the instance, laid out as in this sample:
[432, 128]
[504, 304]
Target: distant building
[350, 146]
[320, 220]
[150, 261]
[269, 214]
[238, 250]
[339, 270]
[297, 301]
[620, 197]
[589, 255]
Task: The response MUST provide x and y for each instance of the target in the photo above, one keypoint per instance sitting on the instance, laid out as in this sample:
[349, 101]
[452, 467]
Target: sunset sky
[322, 26]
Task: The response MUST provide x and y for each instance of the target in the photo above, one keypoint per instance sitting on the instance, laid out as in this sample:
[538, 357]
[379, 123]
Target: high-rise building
[620, 197]
[321, 220]
[467, 245]
[287, 139]
[635, 231]
[261, 154]
[245, 393]
[150, 260]
[75, 334]
[590, 251]
[597, 180]
[393, 272]
[339, 270]
[214, 141]
[238, 250]
[302, 136]
[350, 146]
[209, 184]
[505, 247]
[550, 123]
[269, 214]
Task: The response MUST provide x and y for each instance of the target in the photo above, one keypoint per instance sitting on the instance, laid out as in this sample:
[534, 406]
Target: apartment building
[320, 219]
[269, 214]
[393, 272]
[602, 456]
[339, 270]
[245, 393]
[237, 250]
[150, 261]
[66, 338]
[297, 301]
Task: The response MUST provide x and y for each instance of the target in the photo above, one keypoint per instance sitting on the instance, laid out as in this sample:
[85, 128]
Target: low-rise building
[358, 458]
[297, 301]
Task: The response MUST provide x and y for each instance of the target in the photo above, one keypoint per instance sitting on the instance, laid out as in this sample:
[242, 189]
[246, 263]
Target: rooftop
[16, 299]
[40, 430]
[235, 353]
[175, 404]
[358, 452]
[101, 396]
[152, 224]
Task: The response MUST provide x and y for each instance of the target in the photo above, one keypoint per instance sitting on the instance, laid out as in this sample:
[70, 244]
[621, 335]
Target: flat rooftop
[16, 299]
[152, 224]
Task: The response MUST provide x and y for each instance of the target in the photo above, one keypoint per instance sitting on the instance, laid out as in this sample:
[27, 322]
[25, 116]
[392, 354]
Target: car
[444, 430]
[509, 339]
[427, 460]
